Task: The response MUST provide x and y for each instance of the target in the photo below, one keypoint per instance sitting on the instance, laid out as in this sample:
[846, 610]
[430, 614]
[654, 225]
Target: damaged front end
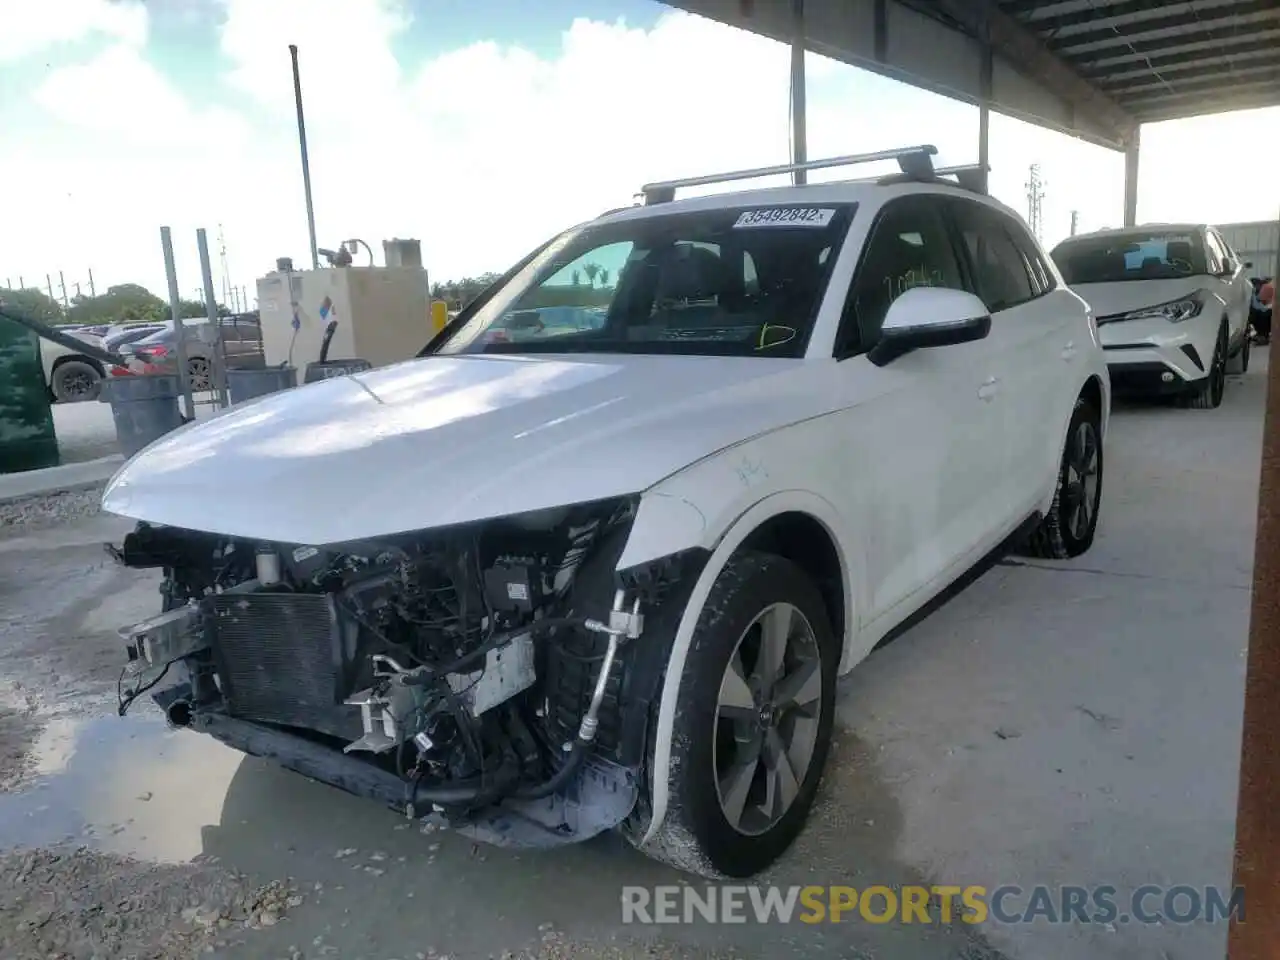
[497, 677]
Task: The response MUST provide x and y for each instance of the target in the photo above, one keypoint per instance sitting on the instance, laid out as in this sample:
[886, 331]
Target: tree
[604, 277]
[577, 278]
[32, 303]
[592, 270]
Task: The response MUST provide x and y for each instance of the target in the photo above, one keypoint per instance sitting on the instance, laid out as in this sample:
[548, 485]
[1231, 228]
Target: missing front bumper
[599, 799]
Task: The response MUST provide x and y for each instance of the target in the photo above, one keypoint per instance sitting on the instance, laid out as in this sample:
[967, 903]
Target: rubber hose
[577, 754]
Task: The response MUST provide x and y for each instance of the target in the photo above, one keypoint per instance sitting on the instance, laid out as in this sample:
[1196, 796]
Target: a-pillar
[799, 136]
[1132, 148]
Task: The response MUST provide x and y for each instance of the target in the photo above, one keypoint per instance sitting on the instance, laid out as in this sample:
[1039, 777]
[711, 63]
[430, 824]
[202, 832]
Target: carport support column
[799, 135]
[1131, 150]
[1257, 853]
[985, 82]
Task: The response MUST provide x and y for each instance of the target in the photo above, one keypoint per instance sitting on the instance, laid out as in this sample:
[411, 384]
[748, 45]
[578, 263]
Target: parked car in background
[606, 574]
[116, 337]
[241, 341]
[71, 376]
[1171, 302]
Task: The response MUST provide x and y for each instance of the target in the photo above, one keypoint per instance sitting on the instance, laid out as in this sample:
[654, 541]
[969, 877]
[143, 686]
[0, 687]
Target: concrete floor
[1055, 724]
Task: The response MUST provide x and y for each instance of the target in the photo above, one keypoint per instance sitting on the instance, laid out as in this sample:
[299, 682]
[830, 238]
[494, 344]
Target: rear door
[1035, 353]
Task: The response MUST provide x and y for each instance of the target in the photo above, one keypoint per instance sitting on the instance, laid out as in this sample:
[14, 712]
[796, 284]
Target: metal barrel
[247, 384]
[144, 408]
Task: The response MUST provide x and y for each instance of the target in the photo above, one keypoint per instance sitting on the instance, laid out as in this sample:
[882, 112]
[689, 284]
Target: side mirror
[929, 317]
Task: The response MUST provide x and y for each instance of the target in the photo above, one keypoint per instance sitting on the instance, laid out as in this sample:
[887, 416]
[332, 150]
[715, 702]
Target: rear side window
[1000, 273]
[1041, 276]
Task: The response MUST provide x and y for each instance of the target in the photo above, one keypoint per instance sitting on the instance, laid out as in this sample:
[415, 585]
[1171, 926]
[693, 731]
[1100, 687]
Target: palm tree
[577, 278]
[604, 277]
[592, 270]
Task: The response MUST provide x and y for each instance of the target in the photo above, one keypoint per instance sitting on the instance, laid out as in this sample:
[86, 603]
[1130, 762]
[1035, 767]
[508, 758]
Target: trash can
[144, 408]
[245, 385]
[27, 438]
[325, 369]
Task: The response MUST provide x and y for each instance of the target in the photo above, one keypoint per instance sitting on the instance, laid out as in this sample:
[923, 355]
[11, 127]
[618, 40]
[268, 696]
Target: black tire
[74, 381]
[1060, 536]
[1239, 364]
[696, 835]
[1207, 393]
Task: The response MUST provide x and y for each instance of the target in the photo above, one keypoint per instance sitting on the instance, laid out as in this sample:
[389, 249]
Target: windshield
[726, 282]
[1130, 256]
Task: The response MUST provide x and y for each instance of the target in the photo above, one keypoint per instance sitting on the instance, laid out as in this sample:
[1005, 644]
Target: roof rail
[915, 162]
[968, 176]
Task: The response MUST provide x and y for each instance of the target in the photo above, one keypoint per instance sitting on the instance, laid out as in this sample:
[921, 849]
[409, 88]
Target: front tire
[1069, 527]
[1239, 364]
[1207, 393]
[753, 723]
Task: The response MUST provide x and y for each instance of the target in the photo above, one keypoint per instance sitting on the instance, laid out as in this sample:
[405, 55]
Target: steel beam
[1132, 150]
[799, 132]
[1029, 55]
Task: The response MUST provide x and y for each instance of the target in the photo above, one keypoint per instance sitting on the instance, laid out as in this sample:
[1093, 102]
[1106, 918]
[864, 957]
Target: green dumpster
[27, 440]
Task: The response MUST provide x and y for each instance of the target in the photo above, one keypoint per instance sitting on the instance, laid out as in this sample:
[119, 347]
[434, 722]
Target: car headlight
[1175, 311]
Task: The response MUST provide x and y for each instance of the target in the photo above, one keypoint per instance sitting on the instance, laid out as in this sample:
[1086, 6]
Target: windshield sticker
[785, 217]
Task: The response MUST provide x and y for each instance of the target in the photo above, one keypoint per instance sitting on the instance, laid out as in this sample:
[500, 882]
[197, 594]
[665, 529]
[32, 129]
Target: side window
[1000, 272]
[908, 247]
[1214, 255]
[1041, 277]
[1220, 249]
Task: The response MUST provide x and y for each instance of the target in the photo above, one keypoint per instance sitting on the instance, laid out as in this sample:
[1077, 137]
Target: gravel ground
[66, 900]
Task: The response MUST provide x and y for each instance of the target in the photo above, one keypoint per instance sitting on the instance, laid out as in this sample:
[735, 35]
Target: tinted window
[737, 281]
[1000, 273]
[1131, 255]
[1041, 277]
[909, 247]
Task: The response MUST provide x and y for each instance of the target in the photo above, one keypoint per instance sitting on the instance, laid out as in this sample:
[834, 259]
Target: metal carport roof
[1096, 69]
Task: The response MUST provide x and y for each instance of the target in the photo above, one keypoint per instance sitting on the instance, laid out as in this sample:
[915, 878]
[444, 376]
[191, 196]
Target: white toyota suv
[1172, 306]
[605, 576]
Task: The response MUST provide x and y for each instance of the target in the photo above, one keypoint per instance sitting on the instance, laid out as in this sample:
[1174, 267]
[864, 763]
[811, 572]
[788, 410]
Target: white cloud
[32, 28]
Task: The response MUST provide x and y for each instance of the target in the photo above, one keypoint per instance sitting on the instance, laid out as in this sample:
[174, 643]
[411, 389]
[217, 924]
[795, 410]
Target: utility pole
[1075, 221]
[222, 266]
[48, 282]
[63, 284]
[92, 292]
[306, 166]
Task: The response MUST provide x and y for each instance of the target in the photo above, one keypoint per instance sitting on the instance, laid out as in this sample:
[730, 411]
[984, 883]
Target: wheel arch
[1097, 392]
[790, 520]
[76, 358]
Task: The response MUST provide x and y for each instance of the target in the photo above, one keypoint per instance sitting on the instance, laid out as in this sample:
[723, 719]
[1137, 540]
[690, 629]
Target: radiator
[279, 660]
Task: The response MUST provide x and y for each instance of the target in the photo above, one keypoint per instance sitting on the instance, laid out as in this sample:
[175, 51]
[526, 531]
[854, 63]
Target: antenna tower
[1035, 201]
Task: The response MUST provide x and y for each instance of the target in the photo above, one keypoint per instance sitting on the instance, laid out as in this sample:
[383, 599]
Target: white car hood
[1111, 298]
[446, 440]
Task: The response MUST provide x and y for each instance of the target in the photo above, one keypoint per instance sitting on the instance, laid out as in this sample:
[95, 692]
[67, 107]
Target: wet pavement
[1071, 723]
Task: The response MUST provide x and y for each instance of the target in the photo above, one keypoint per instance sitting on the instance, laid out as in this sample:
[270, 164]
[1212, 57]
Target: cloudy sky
[479, 127]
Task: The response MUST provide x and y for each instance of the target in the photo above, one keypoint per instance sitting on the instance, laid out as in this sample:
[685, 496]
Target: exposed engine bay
[475, 674]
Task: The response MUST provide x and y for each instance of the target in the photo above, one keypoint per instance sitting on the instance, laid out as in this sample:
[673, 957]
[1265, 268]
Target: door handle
[990, 387]
[1069, 351]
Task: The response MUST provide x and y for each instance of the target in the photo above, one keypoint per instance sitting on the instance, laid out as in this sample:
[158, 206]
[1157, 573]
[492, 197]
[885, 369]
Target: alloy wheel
[1080, 491]
[767, 718]
[79, 386]
[198, 370]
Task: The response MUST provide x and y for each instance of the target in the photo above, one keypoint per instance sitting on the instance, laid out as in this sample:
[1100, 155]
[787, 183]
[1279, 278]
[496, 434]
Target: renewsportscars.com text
[1101, 905]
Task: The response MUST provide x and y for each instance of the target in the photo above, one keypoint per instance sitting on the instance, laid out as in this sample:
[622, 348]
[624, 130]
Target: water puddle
[127, 786]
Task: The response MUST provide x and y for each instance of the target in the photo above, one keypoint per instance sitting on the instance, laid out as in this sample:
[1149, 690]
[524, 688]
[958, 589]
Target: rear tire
[75, 381]
[1068, 529]
[749, 743]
